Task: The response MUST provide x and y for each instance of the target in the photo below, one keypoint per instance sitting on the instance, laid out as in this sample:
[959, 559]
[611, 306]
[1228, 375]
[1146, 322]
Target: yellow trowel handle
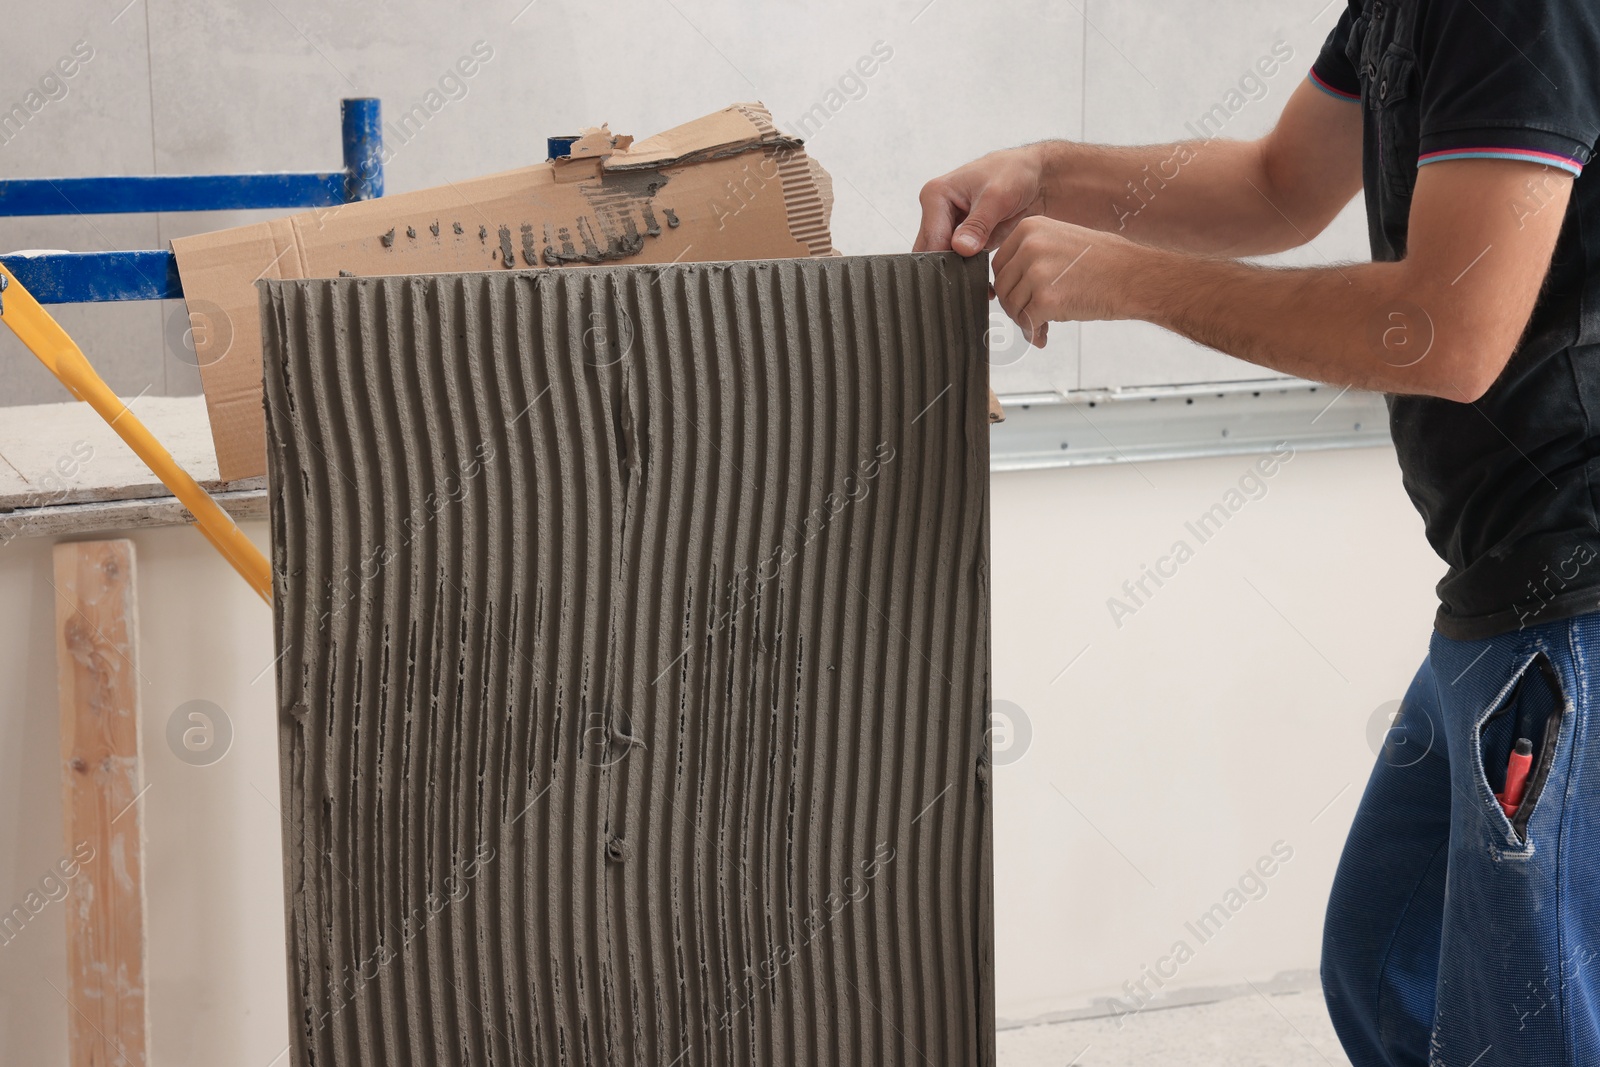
[47, 340]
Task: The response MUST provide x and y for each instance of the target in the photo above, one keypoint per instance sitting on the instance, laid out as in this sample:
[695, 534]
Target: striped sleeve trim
[1331, 90]
[1528, 155]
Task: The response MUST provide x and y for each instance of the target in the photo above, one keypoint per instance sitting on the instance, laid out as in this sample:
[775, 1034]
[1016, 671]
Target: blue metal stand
[93, 277]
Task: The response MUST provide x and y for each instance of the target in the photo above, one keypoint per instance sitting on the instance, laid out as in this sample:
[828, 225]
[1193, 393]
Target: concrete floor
[1249, 1028]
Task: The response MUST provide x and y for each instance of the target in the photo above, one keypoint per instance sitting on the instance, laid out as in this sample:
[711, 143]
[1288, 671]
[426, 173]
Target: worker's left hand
[1049, 271]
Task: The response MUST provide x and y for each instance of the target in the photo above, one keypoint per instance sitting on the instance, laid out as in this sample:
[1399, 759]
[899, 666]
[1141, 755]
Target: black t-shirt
[1509, 486]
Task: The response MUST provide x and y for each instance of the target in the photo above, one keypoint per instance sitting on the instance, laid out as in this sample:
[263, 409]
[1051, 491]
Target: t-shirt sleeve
[1332, 71]
[1508, 79]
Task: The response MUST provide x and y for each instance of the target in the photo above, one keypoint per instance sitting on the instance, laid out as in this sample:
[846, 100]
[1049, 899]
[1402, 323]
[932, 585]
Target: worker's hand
[1049, 271]
[978, 206]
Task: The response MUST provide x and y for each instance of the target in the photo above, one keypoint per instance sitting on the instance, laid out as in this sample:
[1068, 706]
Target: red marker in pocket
[1517, 768]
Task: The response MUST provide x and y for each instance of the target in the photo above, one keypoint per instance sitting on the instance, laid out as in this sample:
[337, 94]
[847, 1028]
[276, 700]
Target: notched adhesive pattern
[634, 663]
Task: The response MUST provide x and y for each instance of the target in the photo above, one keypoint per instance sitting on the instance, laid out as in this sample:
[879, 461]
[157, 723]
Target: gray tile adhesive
[634, 637]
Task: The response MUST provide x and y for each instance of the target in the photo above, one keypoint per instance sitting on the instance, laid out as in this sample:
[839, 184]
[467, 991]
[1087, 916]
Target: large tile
[731, 794]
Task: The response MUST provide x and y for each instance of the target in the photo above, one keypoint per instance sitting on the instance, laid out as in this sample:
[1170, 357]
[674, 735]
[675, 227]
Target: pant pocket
[1532, 711]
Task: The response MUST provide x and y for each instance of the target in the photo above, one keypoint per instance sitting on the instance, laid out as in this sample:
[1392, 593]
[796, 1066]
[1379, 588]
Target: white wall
[1223, 716]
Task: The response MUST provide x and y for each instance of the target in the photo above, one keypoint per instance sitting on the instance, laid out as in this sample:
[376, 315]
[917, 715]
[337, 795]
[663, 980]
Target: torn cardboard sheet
[634, 664]
[726, 186]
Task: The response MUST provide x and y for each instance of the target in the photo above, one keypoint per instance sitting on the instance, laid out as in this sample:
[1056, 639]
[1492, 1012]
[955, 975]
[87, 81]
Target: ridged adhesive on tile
[634, 663]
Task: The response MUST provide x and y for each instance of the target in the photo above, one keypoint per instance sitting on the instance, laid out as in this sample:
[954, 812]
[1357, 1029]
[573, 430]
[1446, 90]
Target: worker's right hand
[977, 206]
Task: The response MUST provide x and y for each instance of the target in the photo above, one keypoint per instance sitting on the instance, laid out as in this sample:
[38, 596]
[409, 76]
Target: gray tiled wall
[179, 86]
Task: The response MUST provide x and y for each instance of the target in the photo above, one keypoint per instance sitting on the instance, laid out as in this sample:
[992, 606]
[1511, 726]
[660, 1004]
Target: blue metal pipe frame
[93, 277]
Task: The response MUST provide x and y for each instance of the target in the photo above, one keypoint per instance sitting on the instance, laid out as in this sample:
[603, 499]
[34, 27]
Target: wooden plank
[64, 472]
[97, 673]
[103, 516]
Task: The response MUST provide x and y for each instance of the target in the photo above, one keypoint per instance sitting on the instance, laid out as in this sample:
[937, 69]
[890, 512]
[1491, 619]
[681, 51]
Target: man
[1464, 922]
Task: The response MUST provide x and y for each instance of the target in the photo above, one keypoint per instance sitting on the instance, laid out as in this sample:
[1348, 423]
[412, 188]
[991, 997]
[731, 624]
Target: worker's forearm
[1442, 322]
[1369, 325]
[1211, 197]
